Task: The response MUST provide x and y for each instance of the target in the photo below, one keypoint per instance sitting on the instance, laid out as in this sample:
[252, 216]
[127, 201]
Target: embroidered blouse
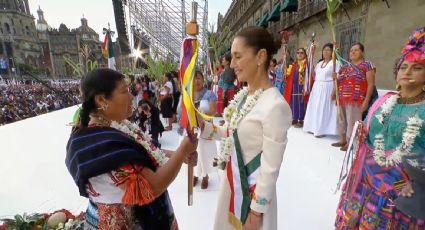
[352, 82]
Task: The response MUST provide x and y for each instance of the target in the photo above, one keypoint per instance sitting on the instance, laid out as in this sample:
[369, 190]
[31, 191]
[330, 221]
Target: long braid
[87, 108]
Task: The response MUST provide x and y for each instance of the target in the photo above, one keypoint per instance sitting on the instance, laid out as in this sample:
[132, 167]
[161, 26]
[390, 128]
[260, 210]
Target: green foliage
[24, 222]
[80, 69]
[213, 42]
[331, 7]
[77, 68]
[158, 67]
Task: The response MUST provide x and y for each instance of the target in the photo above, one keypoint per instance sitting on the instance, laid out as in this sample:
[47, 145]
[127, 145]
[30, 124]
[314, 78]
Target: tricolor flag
[242, 180]
[108, 51]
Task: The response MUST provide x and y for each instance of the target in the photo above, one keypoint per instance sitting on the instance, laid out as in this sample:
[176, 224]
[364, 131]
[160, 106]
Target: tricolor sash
[242, 180]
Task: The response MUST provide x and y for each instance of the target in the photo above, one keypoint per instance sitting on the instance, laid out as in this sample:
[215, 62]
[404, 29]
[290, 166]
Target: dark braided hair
[96, 82]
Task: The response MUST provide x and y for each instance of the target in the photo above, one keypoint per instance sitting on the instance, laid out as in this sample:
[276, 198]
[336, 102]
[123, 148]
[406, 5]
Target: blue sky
[98, 12]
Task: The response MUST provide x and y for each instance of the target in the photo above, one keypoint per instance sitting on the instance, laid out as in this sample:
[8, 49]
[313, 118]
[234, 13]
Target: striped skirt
[371, 207]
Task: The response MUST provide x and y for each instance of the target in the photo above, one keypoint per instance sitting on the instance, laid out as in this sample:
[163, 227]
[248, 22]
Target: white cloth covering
[321, 113]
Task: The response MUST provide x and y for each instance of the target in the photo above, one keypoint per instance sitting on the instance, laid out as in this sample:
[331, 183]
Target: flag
[242, 180]
[108, 51]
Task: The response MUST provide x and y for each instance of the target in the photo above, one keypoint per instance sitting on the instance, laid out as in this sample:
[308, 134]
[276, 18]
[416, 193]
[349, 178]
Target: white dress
[207, 148]
[321, 113]
[264, 129]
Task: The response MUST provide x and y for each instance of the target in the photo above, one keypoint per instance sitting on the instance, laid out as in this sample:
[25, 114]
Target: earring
[103, 107]
[397, 87]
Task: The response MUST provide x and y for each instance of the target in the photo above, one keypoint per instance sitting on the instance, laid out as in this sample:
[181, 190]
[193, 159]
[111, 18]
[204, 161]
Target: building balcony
[305, 11]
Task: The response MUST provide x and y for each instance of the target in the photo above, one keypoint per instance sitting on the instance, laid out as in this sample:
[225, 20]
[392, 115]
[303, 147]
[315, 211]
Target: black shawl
[98, 150]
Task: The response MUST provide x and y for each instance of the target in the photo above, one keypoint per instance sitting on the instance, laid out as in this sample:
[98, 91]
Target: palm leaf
[331, 7]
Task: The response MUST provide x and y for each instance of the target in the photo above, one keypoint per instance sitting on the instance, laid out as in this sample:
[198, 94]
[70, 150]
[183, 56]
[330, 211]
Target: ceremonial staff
[309, 72]
[188, 120]
[285, 39]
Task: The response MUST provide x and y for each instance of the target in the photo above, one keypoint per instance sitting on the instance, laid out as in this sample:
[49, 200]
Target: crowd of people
[126, 180]
[21, 100]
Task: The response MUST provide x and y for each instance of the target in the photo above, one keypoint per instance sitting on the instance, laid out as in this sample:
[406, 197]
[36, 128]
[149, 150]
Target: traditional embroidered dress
[352, 83]
[106, 165]
[226, 90]
[280, 79]
[321, 112]
[251, 174]
[370, 206]
[294, 90]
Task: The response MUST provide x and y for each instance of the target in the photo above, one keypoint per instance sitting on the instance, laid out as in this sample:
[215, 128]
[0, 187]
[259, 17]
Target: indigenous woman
[294, 91]
[207, 148]
[226, 85]
[114, 163]
[253, 138]
[279, 81]
[394, 128]
[356, 82]
[166, 97]
[320, 117]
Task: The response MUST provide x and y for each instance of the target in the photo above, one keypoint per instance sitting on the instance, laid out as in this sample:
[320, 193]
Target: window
[4, 4]
[14, 31]
[349, 33]
[7, 28]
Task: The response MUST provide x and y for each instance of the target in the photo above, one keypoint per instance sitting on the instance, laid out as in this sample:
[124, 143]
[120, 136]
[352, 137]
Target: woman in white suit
[253, 139]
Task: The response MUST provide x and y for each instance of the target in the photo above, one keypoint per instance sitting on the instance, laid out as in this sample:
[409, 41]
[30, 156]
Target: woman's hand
[254, 221]
[407, 191]
[334, 95]
[187, 146]
[334, 76]
[201, 123]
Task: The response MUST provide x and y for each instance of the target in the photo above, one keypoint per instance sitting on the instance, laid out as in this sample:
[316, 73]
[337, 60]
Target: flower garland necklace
[233, 115]
[138, 135]
[142, 138]
[409, 135]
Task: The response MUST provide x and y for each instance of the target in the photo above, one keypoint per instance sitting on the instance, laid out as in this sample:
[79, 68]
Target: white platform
[34, 177]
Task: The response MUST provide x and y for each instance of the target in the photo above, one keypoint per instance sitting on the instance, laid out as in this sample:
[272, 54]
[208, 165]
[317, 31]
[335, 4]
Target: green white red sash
[242, 180]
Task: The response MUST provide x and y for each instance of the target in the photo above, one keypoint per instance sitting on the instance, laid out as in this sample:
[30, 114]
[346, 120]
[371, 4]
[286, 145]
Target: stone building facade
[63, 43]
[22, 42]
[78, 45]
[18, 36]
[381, 25]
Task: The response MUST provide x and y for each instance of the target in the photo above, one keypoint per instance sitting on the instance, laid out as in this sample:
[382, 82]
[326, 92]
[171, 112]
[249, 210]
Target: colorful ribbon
[188, 59]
